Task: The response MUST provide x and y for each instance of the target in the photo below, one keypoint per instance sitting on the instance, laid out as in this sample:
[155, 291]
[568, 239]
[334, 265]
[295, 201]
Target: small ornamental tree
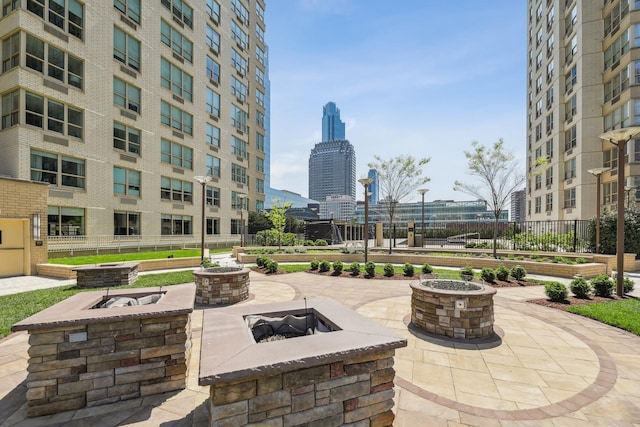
[277, 216]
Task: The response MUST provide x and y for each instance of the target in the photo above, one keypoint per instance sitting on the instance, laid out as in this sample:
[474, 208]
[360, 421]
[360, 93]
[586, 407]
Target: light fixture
[598, 174]
[365, 182]
[202, 179]
[422, 191]
[35, 221]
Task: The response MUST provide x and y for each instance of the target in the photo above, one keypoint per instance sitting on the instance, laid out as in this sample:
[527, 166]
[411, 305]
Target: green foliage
[260, 261]
[258, 222]
[622, 313]
[502, 273]
[487, 274]
[277, 216]
[324, 266]
[370, 268]
[408, 269]
[274, 238]
[315, 264]
[309, 242]
[556, 291]
[389, 270]
[338, 267]
[602, 285]
[628, 285]
[518, 272]
[581, 260]
[354, 268]
[548, 241]
[580, 288]
[135, 256]
[207, 263]
[271, 265]
[608, 224]
[321, 242]
[426, 268]
[466, 272]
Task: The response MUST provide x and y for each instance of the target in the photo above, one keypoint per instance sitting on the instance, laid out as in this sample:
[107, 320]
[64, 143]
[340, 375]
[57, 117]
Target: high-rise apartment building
[119, 105]
[332, 126]
[518, 209]
[332, 170]
[373, 188]
[583, 79]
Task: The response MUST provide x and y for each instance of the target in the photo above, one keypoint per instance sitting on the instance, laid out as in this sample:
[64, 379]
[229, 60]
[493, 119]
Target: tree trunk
[495, 238]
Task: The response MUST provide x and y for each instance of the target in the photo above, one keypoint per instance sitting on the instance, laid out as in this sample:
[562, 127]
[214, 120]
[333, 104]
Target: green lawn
[135, 256]
[623, 313]
[17, 307]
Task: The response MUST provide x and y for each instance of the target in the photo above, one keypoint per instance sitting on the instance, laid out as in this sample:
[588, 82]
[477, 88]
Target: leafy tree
[258, 222]
[496, 175]
[398, 178]
[608, 224]
[277, 216]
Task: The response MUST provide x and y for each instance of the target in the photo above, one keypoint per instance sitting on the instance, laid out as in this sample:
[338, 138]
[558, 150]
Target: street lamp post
[598, 173]
[620, 137]
[627, 192]
[202, 179]
[365, 182]
[422, 191]
[242, 197]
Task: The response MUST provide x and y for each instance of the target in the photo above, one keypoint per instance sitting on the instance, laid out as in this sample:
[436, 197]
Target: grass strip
[135, 256]
[622, 313]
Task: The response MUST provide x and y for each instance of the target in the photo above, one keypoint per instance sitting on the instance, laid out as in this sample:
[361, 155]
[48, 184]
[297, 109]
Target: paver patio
[549, 368]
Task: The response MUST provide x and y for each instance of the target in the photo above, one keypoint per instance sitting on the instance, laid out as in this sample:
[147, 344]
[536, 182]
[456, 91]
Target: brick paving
[548, 368]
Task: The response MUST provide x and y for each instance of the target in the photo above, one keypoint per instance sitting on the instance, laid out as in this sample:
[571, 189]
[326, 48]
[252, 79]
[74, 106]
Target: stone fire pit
[453, 308]
[221, 285]
[112, 274]
[341, 373]
[83, 353]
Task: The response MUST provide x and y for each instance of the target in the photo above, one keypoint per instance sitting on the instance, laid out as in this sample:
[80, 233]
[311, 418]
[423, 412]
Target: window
[238, 118]
[126, 138]
[618, 118]
[239, 147]
[126, 182]
[181, 11]
[9, 6]
[213, 102]
[239, 90]
[548, 176]
[259, 142]
[176, 118]
[176, 154]
[238, 62]
[213, 166]
[259, 164]
[56, 113]
[549, 97]
[612, 20]
[570, 79]
[238, 174]
[550, 16]
[260, 33]
[57, 169]
[239, 201]
[236, 226]
[10, 109]
[213, 10]
[213, 226]
[176, 190]
[260, 75]
[54, 62]
[126, 49]
[176, 41]
[610, 158]
[549, 149]
[213, 135]
[571, 20]
[260, 11]
[259, 97]
[610, 192]
[259, 206]
[241, 38]
[550, 43]
[176, 225]
[538, 204]
[538, 108]
[538, 180]
[618, 48]
[10, 52]
[550, 68]
[126, 223]
[539, 61]
[261, 56]
[213, 70]
[212, 197]
[176, 80]
[126, 95]
[538, 84]
[549, 121]
[570, 169]
[65, 14]
[618, 84]
[213, 39]
[65, 221]
[571, 108]
[240, 11]
[571, 50]
[570, 198]
[260, 119]
[538, 153]
[130, 8]
[548, 205]
[259, 185]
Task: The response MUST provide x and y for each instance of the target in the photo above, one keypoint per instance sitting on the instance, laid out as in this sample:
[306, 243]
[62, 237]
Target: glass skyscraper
[332, 126]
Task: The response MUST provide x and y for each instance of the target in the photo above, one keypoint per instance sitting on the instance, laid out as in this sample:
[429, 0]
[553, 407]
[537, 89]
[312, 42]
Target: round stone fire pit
[452, 308]
[221, 285]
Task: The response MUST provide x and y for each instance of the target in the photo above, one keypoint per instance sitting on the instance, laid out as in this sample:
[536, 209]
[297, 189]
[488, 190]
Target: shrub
[388, 270]
[502, 272]
[324, 265]
[466, 272]
[487, 274]
[628, 285]
[580, 287]
[271, 265]
[511, 257]
[602, 285]
[370, 268]
[408, 269]
[289, 251]
[354, 268]
[520, 257]
[556, 291]
[518, 272]
[338, 267]
[315, 264]
[426, 268]
[261, 260]
[321, 242]
[581, 260]
[309, 243]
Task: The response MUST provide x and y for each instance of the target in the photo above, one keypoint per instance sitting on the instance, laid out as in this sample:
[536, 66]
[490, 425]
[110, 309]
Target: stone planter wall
[216, 286]
[96, 276]
[358, 391]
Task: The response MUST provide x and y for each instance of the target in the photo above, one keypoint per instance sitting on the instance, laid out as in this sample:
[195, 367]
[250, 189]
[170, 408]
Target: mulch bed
[571, 300]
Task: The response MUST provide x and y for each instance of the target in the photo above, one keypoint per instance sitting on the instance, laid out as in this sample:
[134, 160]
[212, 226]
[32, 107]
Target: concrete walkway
[550, 368]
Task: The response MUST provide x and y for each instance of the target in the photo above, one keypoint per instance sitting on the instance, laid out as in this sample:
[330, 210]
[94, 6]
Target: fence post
[575, 235]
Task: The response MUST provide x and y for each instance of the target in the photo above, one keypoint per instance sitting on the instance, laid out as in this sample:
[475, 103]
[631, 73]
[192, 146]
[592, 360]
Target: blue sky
[418, 77]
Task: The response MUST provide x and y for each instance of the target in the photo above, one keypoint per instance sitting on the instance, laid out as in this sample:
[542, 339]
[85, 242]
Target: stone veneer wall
[221, 288]
[436, 313]
[357, 390]
[98, 276]
[74, 366]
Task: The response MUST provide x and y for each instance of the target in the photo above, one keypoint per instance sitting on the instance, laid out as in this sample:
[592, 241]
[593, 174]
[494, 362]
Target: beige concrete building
[118, 105]
[583, 79]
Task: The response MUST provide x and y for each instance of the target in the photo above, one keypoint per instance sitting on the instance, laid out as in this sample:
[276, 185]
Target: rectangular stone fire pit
[83, 356]
[333, 378]
[101, 275]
